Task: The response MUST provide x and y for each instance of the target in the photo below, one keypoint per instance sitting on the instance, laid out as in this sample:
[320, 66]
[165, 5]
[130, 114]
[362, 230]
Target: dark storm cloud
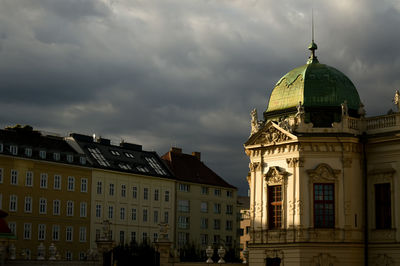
[184, 73]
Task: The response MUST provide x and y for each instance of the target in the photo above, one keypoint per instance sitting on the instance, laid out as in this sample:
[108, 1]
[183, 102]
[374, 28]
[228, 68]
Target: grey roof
[28, 143]
[126, 157]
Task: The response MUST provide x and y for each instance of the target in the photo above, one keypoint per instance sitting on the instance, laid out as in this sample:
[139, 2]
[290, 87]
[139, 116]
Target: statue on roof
[396, 100]
[255, 125]
[345, 109]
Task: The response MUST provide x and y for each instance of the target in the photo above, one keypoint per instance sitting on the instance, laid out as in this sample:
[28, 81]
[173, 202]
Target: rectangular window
[204, 207]
[13, 203]
[122, 214]
[56, 207]
[217, 224]
[383, 206]
[122, 237]
[99, 187]
[42, 154]
[183, 238]
[70, 158]
[69, 233]
[29, 179]
[28, 152]
[216, 239]
[70, 208]
[204, 223]
[183, 222]
[111, 192]
[184, 187]
[27, 231]
[1, 175]
[144, 215]
[110, 212]
[14, 177]
[56, 156]
[13, 149]
[229, 193]
[42, 206]
[166, 217]
[155, 237]
[229, 209]
[82, 160]
[134, 214]
[71, 183]
[146, 193]
[228, 241]
[324, 206]
[167, 196]
[133, 236]
[82, 256]
[144, 237]
[41, 232]
[98, 210]
[204, 190]
[13, 227]
[56, 232]
[43, 180]
[229, 225]
[28, 204]
[82, 234]
[97, 234]
[134, 192]
[155, 217]
[68, 255]
[57, 182]
[84, 183]
[156, 193]
[123, 191]
[183, 205]
[83, 209]
[217, 192]
[217, 208]
[204, 239]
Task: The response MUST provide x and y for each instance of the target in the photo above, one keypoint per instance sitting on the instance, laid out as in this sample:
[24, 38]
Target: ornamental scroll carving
[323, 173]
[272, 136]
[256, 166]
[276, 175]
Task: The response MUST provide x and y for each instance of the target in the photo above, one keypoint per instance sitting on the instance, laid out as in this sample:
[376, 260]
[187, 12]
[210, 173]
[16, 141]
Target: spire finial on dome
[313, 46]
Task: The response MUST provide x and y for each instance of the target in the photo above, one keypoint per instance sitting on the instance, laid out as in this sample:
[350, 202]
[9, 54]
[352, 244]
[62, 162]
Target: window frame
[325, 217]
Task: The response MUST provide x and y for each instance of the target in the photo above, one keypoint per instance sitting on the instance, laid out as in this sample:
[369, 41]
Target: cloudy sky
[165, 73]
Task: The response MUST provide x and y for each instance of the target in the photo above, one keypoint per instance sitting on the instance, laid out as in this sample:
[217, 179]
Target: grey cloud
[185, 73]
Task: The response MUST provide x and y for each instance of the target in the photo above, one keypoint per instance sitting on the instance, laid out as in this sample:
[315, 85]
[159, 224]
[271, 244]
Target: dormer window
[14, 149]
[28, 152]
[70, 158]
[82, 160]
[56, 156]
[129, 155]
[114, 152]
[42, 154]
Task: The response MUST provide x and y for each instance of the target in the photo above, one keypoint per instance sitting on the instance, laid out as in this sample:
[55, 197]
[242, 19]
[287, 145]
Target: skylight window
[129, 155]
[156, 166]
[125, 166]
[115, 153]
[142, 169]
[98, 156]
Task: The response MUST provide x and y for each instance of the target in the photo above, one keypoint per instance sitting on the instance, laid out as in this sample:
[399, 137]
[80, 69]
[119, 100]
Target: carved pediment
[270, 134]
[276, 175]
[323, 173]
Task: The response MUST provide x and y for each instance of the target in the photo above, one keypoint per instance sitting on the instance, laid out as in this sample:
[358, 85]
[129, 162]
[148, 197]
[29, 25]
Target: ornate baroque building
[323, 177]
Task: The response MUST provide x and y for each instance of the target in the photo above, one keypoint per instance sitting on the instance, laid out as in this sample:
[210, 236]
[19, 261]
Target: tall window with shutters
[275, 207]
[383, 206]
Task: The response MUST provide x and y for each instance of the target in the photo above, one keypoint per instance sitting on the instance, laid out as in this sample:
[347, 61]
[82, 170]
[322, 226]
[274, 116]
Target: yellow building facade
[46, 191]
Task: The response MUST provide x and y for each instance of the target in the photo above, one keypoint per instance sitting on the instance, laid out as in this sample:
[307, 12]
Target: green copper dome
[315, 85]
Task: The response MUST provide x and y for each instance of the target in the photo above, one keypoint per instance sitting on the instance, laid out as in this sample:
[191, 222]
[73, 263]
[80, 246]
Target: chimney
[176, 150]
[196, 154]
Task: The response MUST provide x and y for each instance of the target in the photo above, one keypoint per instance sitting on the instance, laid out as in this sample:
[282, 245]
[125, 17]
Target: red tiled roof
[189, 168]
